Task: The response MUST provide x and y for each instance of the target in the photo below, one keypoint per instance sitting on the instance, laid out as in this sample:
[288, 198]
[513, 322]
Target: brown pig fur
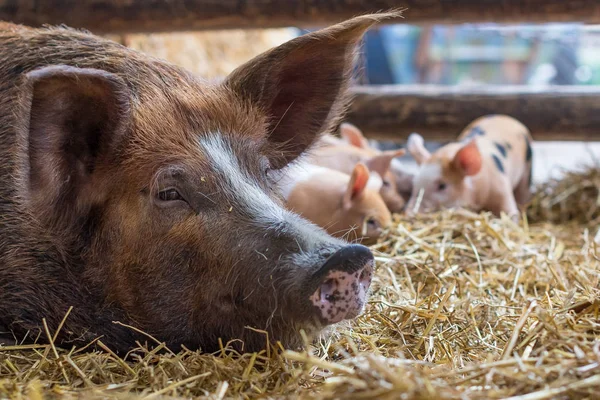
[79, 226]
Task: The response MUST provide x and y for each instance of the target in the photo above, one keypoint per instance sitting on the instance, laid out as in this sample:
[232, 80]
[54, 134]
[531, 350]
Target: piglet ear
[301, 85]
[468, 159]
[76, 119]
[381, 163]
[353, 135]
[416, 148]
[357, 185]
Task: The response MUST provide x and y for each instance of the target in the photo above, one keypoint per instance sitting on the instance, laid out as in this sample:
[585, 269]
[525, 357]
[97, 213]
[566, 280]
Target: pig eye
[169, 195]
[441, 186]
[386, 183]
[372, 222]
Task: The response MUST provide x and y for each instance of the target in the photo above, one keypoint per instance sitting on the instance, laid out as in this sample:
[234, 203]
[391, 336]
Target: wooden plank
[563, 113]
[179, 15]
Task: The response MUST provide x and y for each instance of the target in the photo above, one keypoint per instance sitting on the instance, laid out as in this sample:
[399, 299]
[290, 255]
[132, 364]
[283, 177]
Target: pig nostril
[366, 275]
[327, 290]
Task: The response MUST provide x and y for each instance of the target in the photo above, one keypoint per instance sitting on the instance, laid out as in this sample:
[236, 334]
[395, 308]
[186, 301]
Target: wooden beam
[570, 113]
[119, 16]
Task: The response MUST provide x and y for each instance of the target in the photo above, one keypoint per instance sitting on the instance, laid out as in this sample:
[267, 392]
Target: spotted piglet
[344, 205]
[487, 169]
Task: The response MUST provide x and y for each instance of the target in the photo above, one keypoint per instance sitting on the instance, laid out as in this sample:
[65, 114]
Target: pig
[401, 176]
[489, 168]
[344, 153]
[344, 205]
[136, 192]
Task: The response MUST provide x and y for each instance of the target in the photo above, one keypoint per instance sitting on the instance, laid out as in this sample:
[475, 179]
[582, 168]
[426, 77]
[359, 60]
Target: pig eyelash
[170, 194]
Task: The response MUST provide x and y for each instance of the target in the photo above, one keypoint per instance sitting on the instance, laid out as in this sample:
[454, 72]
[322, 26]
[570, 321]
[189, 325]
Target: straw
[462, 305]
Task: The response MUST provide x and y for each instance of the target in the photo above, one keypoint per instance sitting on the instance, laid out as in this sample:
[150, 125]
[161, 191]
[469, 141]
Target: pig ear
[416, 148]
[301, 85]
[76, 118]
[353, 135]
[357, 185]
[381, 163]
[468, 159]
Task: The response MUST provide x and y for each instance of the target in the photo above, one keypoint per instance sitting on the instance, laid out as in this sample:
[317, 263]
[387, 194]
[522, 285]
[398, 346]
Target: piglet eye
[169, 195]
[441, 186]
[372, 222]
[386, 183]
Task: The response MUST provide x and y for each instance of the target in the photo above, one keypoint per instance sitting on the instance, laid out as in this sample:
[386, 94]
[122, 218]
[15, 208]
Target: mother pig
[138, 193]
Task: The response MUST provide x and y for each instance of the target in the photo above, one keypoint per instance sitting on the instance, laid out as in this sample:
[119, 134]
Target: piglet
[342, 154]
[401, 176]
[344, 205]
[488, 169]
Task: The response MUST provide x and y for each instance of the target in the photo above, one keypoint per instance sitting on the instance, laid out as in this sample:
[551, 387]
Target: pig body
[489, 168]
[344, 205]
[342, 154]
[136, 192]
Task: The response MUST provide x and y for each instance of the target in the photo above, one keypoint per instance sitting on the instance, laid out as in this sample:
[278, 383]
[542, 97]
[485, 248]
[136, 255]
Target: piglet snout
[342, 284]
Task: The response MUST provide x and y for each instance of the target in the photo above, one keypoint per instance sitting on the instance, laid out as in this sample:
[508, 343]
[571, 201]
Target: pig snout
[342, 284]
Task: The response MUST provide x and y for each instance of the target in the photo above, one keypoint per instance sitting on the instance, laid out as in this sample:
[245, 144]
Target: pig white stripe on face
[242, 191]
[239, 186]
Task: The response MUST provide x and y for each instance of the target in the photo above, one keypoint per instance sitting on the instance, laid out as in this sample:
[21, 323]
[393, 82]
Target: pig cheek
[166, 247]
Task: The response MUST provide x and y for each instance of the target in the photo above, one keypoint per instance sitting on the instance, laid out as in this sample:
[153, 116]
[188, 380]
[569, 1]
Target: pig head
[136, 192]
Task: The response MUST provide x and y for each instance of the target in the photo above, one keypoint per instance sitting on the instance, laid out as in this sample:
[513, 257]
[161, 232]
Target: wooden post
[105, 16]
[569, 113]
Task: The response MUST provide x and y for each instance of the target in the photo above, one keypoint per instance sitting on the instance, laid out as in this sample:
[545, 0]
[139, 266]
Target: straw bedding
[463, 306]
